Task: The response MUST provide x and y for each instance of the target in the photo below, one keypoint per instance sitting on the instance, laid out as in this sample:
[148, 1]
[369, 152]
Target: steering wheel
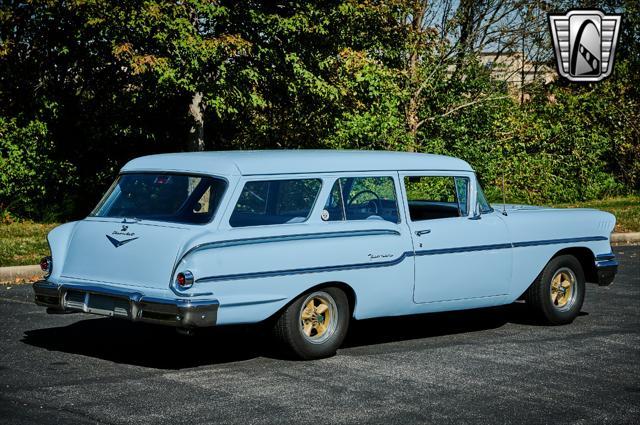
[375, 202]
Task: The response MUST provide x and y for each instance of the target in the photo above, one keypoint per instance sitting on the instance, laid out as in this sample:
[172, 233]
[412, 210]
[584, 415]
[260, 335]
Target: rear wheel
[315, 324]
[557, 294]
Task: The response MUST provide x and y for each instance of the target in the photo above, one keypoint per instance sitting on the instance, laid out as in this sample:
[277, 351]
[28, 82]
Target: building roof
[293, 162]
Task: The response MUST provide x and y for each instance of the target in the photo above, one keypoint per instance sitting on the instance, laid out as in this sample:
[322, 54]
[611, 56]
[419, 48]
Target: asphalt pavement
[482, 366]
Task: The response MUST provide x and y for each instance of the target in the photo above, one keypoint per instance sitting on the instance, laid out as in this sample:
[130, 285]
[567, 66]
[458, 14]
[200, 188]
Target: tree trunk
[411, 115]
[411, 110]
[196, 132]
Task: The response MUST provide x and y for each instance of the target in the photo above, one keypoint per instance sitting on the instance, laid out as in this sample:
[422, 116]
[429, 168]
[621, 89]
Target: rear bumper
[606, 268]
[126, 304]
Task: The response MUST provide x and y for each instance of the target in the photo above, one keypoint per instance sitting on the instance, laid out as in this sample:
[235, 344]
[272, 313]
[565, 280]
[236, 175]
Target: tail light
[46, 264]
[184, 279]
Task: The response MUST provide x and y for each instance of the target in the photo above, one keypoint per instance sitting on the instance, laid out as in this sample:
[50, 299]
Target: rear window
[275, 202]
[178, 198]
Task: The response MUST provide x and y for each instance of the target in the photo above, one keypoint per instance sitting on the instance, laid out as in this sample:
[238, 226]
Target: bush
[33, 184]
[566, 144]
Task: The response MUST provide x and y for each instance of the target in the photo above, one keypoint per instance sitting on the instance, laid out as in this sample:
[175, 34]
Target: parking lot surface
[482, 366]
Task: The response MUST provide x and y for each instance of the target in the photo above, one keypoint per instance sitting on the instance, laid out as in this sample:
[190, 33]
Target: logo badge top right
[585, 43]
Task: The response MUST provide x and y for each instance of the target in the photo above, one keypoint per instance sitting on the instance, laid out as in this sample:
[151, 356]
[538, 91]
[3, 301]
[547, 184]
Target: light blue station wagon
[308, 240]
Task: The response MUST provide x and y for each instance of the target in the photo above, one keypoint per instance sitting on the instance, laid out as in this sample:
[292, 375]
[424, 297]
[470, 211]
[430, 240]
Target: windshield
[178, 198]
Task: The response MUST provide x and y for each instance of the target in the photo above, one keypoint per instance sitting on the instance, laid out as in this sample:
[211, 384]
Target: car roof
[265, 162]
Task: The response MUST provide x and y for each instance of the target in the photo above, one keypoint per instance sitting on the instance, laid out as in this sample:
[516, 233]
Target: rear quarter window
[268, 202]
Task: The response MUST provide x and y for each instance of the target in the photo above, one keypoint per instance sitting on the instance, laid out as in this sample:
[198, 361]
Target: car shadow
[146, 345]
[394, 329]
[162, 347]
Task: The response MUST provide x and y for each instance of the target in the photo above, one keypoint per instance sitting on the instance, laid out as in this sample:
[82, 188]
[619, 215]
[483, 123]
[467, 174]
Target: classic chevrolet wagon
[308, 240]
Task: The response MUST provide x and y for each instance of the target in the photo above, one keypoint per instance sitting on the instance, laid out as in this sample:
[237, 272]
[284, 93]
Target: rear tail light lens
[184, 279]
[46, 264]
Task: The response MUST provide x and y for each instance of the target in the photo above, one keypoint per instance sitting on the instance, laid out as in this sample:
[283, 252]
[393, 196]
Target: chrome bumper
[132, 305]
[606, 268]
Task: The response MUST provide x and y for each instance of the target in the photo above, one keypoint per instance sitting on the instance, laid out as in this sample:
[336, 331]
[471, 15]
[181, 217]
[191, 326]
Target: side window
[296, 197]
[275, 202]
[253, 198]
[362, 198]
[433, 197]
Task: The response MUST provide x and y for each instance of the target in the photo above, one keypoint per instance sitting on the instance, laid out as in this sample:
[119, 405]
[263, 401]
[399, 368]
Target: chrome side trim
[288, 238]
[242, 304]
[272, 239]
[320, 269]
[307, 270]
[559, 241]
[463, 249]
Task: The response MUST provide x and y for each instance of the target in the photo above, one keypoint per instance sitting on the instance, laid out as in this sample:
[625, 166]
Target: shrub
[32, 182]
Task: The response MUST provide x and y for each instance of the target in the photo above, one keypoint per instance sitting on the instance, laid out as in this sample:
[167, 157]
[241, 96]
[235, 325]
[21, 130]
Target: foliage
[29, 177]
[544, 159]
[374, 118]
[87, 85]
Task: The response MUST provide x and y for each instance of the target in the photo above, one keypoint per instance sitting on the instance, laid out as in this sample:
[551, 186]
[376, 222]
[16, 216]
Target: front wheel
[557, 294]
[315, 324]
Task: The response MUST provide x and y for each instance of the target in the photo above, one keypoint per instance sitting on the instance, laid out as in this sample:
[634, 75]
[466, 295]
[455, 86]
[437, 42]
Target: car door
[458, 254]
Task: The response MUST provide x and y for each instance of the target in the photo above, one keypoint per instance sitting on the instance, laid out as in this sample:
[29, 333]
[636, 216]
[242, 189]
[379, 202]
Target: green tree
[189, 48]
[29, 178]
[114, 80]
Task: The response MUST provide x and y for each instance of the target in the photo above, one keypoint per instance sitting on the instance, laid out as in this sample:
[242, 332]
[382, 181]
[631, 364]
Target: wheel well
[587, 261]
[348, 290]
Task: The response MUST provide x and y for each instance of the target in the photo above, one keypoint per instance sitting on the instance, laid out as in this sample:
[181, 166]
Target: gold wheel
[563, 288]
[318, 317]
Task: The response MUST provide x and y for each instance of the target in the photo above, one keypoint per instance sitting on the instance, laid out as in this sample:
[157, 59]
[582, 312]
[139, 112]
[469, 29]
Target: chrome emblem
[585, 43]
[118, 243]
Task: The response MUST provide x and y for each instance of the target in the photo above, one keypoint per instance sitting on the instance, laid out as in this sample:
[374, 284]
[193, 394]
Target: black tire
[290, 332]
[558, 306]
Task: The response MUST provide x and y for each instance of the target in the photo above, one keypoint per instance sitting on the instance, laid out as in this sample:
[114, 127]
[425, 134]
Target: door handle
[422, 232]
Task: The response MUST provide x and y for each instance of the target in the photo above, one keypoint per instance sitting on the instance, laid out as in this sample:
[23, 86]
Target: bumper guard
[606, 268]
